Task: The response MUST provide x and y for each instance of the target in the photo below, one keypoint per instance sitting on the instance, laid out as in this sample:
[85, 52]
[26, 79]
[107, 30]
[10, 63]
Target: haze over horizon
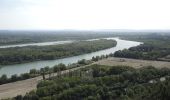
[84, 14]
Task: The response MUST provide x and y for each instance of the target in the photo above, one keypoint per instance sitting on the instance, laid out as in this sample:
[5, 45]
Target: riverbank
[154, 47]
[22, 87]
[25, 68]
[34, 53]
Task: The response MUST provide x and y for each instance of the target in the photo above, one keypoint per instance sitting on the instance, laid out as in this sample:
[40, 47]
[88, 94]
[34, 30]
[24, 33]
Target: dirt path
[22, 87]
[19, 87]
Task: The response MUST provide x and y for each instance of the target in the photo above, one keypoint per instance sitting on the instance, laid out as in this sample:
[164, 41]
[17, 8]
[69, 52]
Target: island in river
[25, 67]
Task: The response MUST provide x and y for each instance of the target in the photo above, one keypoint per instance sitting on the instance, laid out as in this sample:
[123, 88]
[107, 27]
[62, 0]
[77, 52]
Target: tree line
[105, 83]
[154, 47]
[42, 72]
[144, 51]
[49, 70]
[33, 53]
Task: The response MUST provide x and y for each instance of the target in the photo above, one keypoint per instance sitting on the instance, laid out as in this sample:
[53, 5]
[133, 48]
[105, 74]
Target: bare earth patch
[13, 89]
[18, 88]
[133, 62]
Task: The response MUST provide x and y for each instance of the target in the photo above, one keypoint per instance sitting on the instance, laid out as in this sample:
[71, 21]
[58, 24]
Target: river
[25, 67]
[37, 44]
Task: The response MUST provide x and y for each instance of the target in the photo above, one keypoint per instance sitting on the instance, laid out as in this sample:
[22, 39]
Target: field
[113, 61]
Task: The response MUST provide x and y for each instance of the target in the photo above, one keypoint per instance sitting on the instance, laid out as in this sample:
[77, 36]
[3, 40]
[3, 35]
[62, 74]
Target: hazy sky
[84, 14]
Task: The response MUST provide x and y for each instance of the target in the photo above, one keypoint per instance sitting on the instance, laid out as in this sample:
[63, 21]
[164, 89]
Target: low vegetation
[99, 82]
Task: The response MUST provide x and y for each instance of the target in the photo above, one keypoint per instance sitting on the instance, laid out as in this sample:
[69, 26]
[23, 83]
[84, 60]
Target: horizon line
[84, 29]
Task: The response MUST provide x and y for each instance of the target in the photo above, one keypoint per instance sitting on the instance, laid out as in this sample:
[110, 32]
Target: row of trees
[106, 83]
[47, 70]
[43, 71]
[33, 73]
[97, 58]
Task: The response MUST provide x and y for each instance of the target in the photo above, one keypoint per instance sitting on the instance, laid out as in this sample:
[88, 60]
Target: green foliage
[33, 53]
[14, 77]
[77, 93]
[33, 73]
[59, 67]
[3, 79]
[97, 58]
[143, 52]
[119, 69]
[43, 71]
[20, 37]
[155, 47]
[117, 83]
[98, 71]
[31, 96]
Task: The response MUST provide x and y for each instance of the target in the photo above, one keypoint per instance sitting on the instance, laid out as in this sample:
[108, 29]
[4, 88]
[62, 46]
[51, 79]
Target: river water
[37, 44]
[25, 67]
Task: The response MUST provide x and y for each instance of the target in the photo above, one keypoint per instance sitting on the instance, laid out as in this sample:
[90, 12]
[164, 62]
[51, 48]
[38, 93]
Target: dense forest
[98, 82]
[33, 53]
[155, 47]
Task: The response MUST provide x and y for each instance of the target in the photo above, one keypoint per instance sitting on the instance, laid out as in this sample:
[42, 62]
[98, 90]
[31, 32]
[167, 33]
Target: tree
[18, 97]
[83, 62]
[3, 79]
[56, 68]
[14, 78]
[46, 69]
[42, 71]
[49, 72]
[62, 66]
[25, 76]
[33, 71]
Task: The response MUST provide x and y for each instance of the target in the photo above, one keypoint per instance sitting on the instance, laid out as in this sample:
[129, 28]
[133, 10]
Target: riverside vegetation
[49, 70]
[155, 47]
[34, 53]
